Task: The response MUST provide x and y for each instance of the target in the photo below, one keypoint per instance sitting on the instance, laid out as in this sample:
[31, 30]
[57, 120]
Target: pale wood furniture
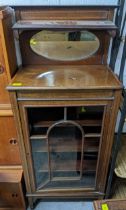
[11, 192]
[7, 70]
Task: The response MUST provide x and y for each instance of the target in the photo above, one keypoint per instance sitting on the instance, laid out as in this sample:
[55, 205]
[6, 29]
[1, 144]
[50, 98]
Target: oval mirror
[64, 46]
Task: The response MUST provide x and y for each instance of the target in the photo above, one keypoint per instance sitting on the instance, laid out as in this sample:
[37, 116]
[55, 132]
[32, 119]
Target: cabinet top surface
[11, 175]
[64, 77]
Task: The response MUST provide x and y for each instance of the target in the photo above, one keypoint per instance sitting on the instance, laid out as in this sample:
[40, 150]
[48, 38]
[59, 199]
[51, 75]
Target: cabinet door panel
[10, 195]
[4, 96]
[9, 152]
[63, 144]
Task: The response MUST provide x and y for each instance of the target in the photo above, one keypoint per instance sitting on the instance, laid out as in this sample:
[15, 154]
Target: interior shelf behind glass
[65, 144]
[90, 118]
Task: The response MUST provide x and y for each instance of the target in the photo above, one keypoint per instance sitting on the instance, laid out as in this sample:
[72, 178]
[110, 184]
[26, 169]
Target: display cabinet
[65, 99]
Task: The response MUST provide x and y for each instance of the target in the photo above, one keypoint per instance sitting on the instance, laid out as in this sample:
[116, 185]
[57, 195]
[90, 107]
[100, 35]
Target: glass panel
[67, 162]
[89, 117]
[61, 156]
[64, 46]
[40, 161]
[41, 118]
[87, 180]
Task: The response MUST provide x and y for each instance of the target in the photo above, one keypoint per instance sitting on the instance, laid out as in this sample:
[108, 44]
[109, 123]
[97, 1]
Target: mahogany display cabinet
[65, 99]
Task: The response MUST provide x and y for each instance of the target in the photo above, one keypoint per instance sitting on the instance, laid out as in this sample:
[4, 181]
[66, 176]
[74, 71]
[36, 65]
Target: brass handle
[1, 69]
[13, 141]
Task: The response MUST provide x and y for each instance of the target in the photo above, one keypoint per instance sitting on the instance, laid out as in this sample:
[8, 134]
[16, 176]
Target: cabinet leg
[31, 203]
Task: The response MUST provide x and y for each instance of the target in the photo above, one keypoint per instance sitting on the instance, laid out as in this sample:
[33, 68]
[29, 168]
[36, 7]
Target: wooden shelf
[38, 137]
[88, 166]
[89, 135]
[64, 24]
[92, 128]
[87, 122]
[66, 146]
[92, 135]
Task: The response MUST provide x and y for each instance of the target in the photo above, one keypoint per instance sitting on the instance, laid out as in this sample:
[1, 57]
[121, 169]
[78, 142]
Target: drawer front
[11, 195]
[65, 95]
[9, 151]
[4, 95]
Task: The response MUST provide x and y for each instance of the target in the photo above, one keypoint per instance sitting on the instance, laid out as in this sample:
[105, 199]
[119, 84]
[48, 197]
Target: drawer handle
[13, 141]
[1, 69]
[14, 195]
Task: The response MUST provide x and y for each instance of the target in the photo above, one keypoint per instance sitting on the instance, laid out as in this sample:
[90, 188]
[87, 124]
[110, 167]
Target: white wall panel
[59, 2]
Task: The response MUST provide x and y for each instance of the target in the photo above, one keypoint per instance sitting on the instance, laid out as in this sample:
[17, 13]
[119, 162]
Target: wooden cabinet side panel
[9, 47]
[107, 141]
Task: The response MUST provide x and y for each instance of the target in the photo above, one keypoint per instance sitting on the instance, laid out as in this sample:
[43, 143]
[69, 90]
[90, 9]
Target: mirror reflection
[64, 46]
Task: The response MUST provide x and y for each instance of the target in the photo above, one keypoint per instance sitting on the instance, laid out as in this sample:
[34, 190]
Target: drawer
[4, 95]
[9, 151]
[65, 95]
[10, 195]
[11, 189]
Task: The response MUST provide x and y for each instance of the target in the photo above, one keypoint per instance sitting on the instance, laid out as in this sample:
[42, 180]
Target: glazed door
[64, 144]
